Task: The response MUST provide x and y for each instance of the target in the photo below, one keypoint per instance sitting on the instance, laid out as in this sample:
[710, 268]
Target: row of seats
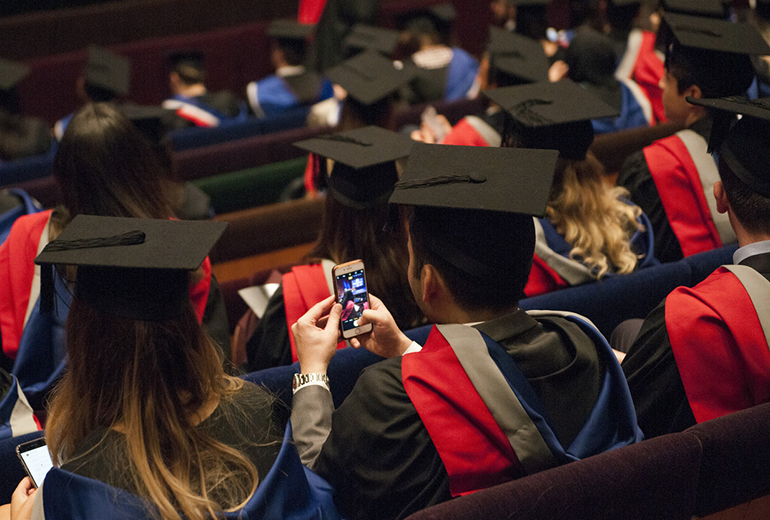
[708, 468]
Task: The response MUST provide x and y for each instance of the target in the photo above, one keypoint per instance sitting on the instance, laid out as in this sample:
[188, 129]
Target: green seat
[251, 187]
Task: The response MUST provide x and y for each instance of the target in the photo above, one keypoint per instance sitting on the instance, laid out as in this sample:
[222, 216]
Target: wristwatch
[301, 380]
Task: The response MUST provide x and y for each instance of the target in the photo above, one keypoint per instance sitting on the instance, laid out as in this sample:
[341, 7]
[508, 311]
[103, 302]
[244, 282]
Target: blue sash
[612, 422]
[223, 118]
[631, 115]
[642, 242]
[40, 361]
[16, 416]
[461, 75]
[28, 206]
[289, 491]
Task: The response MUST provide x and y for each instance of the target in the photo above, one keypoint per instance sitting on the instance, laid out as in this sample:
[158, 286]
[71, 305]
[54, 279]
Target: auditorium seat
[267, 228]
[612, 300]
[208, 161]
[28, 168]
[653, 479]
[196, 137]
[735, 465]
[46, 190]
[251, 187]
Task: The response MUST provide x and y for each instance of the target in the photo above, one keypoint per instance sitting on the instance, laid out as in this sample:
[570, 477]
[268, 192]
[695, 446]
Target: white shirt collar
[289, 70]
[757, 248]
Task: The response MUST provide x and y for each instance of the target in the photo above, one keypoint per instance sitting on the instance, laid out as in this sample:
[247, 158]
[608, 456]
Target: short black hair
[749, 207]
[294, 50]
[622, 16]
[501, 242]
[98, 94]
[717, 74]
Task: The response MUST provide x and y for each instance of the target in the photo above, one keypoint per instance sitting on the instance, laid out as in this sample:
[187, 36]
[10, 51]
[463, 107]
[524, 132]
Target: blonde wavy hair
[149, 381]
[592, 219]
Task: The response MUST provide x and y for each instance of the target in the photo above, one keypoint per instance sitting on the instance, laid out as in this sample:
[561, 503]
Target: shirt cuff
[414, 347]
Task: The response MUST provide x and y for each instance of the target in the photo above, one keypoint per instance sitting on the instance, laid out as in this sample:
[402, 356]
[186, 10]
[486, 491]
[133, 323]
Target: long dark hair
[148, 379]
[105, 167]
[348, 234]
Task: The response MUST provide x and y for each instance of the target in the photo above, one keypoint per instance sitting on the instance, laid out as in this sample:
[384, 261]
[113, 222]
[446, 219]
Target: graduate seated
[590, 229]
[591, 64]
[531, 21]
[104, 167]
[20, 136]
[358, 169]
[192, 101]
[509, 394]
[671, 179]
[444, 72]
[703, 352]
[510, 59]
[145, 423]
[291, 86]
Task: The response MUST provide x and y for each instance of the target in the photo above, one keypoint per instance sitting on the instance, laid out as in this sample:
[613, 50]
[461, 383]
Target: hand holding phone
[35, 458]
[350, 292]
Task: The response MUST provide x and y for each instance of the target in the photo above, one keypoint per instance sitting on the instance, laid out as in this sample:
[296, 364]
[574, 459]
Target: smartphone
[35, 458]
[350, 291]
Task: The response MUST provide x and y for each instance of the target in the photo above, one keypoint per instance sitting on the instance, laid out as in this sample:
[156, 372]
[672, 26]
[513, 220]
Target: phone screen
[38, 462]
[352, 295]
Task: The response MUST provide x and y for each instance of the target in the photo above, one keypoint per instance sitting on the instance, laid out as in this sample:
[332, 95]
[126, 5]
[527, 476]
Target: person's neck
[192, 91]
[746, 237]
[693, 117]
[455, 314]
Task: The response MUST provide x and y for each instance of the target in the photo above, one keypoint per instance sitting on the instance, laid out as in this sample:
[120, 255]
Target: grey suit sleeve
[311, 421]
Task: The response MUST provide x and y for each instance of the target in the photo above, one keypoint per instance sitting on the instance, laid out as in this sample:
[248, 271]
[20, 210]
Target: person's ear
[431, 283]
[693, 91]
[719, 194]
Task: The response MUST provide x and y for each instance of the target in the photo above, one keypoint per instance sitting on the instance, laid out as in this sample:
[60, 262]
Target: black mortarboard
[511, 180]
[554, 116]
[369, 76]
[517, 56]
[290, 30]
[711, 8]
[624, 3]
[364, 170]
[107, 70]
[364, 37]
[473, 207]
[151, 121]
[710, 34]
[744, 145]
[11, 72]
[129, 267]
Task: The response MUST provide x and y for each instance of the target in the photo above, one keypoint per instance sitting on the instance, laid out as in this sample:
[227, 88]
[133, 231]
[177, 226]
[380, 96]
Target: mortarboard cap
[517, 56]
[624, 3]
[710, 8]
[531, 3]
[290, 30]
[710, 34]
[473, 207]
[511, 180]
[151, 121]
[364, 170]
[107, 70]
[11, 73]
[744, 145]
[555, 116]
[365, 37]
[189, 58]
[130, 267]
[369, 76]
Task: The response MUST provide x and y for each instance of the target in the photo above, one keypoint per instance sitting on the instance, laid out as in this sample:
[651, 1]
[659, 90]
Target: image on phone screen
[38, 462]
[352, 295]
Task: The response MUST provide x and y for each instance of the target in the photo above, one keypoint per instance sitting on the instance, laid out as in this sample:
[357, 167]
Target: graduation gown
[383, 454]
[210, 109]
[701, 353]
[288, 491]
[552, 267]
[34, 339]
[446, 74]
[672, 181]
[642, 64]
[484, 130]
[16, 416]
[276, 94]
[26, 206]
[272, 343]
[635, 111]
[22, 136]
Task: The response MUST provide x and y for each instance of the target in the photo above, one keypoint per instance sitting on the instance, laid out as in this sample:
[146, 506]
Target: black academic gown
[269, 346]
[379, 456]
[22, 136]
[635, 176]
[653, 376]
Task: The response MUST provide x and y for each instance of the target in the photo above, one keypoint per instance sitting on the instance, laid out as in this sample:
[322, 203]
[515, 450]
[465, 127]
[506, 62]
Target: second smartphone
[350, 291]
